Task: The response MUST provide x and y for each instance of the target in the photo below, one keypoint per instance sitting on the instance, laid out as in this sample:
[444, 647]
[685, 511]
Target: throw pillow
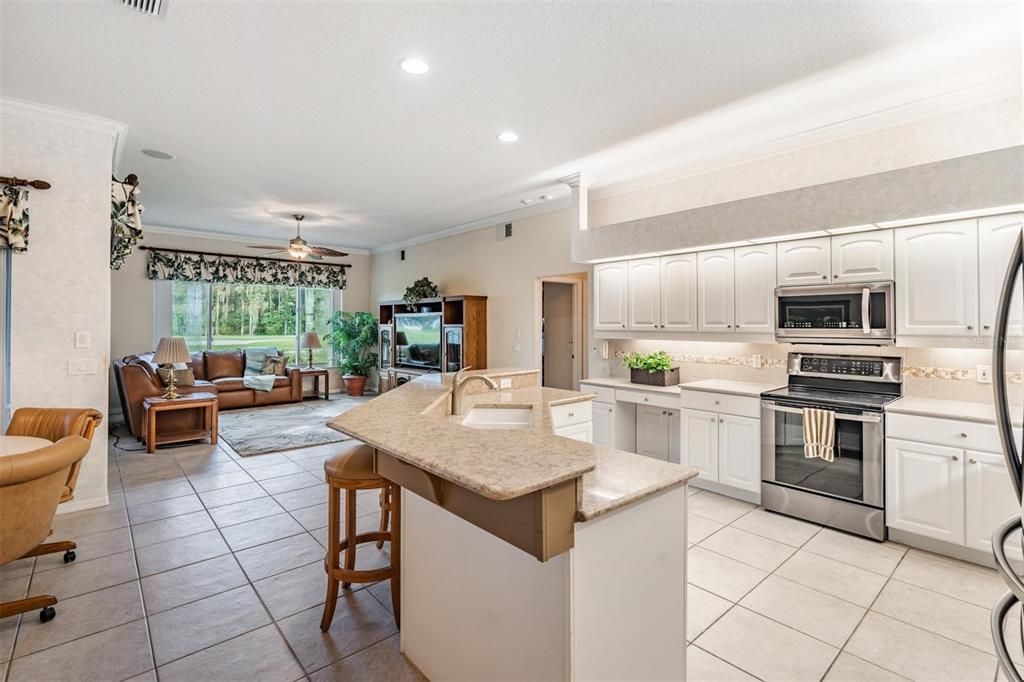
[275, 364]
[182, 377]
[254, 362]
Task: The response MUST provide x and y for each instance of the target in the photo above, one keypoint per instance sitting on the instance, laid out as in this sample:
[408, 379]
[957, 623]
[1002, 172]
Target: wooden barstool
[351, 470]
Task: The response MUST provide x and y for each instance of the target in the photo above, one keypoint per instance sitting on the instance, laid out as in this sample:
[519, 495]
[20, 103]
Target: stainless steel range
[848, 492]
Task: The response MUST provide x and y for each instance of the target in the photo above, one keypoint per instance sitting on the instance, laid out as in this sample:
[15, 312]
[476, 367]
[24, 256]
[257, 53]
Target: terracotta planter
[354, 385]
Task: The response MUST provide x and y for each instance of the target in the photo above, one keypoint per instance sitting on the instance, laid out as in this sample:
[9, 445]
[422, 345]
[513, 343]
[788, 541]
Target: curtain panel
[125, 221]
[13, 218]
[197, 267]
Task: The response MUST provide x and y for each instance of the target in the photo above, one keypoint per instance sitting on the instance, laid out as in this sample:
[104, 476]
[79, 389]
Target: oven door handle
[865, 309]
[867, 418]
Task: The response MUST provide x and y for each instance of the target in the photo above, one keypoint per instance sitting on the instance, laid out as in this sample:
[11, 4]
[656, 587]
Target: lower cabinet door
[652, 431]
[739, 452]
[699, 442]
[990, 501]
[583, 432]
[604, 424]
[924, 489]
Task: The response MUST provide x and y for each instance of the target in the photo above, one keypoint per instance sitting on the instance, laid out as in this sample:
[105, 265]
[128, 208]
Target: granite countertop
[412, 422]
[961, 410]
[744, 388]
[616, 382]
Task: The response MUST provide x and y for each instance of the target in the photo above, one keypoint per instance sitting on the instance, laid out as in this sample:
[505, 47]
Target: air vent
[144, 6]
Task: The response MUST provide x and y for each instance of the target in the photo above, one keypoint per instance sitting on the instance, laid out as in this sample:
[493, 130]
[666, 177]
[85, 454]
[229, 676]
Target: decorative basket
[666, 377]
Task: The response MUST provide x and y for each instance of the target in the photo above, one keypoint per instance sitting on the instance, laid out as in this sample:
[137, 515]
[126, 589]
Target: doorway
[560, 339]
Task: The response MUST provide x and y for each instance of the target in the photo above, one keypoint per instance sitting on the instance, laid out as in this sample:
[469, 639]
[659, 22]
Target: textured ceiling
[276, 107]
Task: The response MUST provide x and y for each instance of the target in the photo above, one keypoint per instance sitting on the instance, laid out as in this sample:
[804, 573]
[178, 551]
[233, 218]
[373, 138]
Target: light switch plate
[81, 366]
[83, 339]
[505, 383]
[755, 361]
[984, 374]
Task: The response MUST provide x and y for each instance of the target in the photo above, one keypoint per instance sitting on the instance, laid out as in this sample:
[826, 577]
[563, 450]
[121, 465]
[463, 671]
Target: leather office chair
[54, 423]
[31, 484]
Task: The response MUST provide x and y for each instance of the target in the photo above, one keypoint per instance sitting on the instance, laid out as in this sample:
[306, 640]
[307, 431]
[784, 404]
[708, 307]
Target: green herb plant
[658, 361]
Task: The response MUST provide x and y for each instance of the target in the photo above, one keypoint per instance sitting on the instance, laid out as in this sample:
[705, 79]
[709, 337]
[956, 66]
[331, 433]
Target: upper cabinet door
[679, 292]
[937, 279]
[862, 257]
[611, 283]
[755, 289]
[645, 293]
[803, 262]
[715, 312]
[996, 235]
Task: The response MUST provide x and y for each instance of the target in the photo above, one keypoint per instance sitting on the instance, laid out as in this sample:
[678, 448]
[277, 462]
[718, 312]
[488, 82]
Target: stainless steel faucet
[459, 383]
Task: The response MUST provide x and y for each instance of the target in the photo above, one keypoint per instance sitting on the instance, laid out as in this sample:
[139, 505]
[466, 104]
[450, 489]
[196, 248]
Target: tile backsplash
[945, 373]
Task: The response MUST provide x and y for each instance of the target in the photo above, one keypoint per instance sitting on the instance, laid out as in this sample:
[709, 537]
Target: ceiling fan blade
[272, 248]
[314, 256]
[331, 253]
[274, 253]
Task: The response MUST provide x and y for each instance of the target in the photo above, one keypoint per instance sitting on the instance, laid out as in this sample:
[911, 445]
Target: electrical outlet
[516, 347]
[505, 383]
[80, 366]
[755, 361]
[984, 374]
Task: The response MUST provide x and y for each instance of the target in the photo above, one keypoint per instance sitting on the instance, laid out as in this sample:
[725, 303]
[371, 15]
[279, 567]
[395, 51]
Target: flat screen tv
[418, 339]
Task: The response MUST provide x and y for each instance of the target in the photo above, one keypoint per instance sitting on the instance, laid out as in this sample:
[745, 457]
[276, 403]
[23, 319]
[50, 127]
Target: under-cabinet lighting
[789, 237]
[851, 229]
[942, 217]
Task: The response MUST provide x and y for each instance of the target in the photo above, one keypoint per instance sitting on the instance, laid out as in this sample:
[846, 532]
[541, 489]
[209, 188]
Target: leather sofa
[218, 372]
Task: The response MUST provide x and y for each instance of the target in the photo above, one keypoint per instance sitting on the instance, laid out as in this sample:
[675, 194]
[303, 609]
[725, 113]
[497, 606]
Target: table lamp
[310, 340]
[170, 351]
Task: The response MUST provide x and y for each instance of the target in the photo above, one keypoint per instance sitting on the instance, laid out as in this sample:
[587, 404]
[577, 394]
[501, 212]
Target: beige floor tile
[284, 468]
[946, 616]
[703, 667]
[172, 528]
[813, 613]
[90, 547]
[765, 648]
[359, 621]
[17, 568]
[258, 655]
[295, 590]
[916, 653]
[382, 661]
[284, 484]
[278, 556]
[312, 517]
[749, 548]
[216, 481]
[79, 577]
[158, 491]
[306, 497]
[776, 527]
[832, 577]
[78, 524]
[240, 512]
[203, 465]
[698, 527]
[8, 630]
[189, 628]
[877, 557]
[114, 654]
[81, 616]
[702, 609]
[721, 575]
[162, 509]
[259, 531]
[190, 583]
[149, 676]
[188, 550]
[718, 507]
[260, 461]
[364, 524]
[14, 587]
[849, 668]
[976, 584]
[236, 493]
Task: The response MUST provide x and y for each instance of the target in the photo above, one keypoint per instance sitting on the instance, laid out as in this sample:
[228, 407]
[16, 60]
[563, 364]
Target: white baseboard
[79, 505]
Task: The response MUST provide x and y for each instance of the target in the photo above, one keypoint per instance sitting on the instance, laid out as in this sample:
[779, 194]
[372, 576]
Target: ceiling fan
[298, 248]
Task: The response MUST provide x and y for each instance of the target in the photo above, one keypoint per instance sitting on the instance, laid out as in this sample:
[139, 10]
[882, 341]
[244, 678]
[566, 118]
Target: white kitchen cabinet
[996, 236]
[937, 279]
[653, 432]
[804, 261]
[755, 272]
[679, 293]
[739, 452]
[862, 257]
[924, 486]
[644, 289]
[715, 284]
[989, 500]
[583, 432]
[604, 424]
[699, 440]
[611, 286]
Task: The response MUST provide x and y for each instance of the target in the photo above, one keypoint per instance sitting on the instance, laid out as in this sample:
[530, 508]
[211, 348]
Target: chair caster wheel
[47, 614]
[69, 556]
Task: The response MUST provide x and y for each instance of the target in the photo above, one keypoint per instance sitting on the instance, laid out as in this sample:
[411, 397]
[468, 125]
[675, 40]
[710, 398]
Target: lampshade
[171, 350]
[310, 340]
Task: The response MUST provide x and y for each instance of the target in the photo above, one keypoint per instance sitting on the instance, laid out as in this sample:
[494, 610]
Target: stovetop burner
[831, 397]
[852, 381]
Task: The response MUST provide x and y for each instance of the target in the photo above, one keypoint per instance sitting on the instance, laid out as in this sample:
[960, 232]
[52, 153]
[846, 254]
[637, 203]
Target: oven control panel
[842, 366]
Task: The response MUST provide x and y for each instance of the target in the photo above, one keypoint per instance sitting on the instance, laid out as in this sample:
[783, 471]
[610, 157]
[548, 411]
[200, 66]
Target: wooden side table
[207, 402]
[316, 373]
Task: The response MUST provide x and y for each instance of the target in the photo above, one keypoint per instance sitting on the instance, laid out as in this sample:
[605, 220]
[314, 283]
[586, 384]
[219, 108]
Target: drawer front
[571, 413]
[605, 394]
[653, 399]
[738, 405]
[958, 434]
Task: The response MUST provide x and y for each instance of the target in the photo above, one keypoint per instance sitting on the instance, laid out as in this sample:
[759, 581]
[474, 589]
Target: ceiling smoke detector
[144, 6]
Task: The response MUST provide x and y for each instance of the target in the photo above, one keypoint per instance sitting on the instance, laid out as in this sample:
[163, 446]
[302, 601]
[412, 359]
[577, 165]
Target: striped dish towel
[819, 433]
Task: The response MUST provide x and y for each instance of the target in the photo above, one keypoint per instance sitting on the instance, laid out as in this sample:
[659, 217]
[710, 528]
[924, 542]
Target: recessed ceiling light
[414, 65]
[157, 154]
[507, 136]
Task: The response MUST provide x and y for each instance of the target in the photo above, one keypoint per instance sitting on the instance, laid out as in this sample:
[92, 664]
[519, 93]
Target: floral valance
[13, 218]
[199, 267]
[125, 220]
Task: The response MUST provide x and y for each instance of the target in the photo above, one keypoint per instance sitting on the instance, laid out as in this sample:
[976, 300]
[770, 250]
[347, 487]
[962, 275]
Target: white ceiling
[282, 107]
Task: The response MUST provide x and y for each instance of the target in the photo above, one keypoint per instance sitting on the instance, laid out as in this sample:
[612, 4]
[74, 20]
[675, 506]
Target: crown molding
[11, 106]
[239, 238]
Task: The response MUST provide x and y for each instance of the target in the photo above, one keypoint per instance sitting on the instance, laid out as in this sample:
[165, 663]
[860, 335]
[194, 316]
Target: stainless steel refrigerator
[1001, 630]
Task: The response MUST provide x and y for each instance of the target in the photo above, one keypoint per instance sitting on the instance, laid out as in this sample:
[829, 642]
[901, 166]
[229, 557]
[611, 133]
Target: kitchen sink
[498, 418]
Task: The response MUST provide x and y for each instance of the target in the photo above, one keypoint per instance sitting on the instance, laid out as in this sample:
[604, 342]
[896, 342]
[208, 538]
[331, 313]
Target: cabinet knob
[970, 327]
[985, 326]
[972, 460]
[835, 276]
[824, 276]
[645, 400]
[623, 326]
[728, 326]
[963, 435]
[713, 419]
[716, 402]
[955, 458]
[721, 421]
[571, 414]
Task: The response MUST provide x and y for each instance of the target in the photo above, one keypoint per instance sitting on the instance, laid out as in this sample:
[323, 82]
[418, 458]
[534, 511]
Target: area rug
[258, 430]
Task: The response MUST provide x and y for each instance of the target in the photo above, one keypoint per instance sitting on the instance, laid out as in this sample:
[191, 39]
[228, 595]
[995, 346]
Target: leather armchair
[54, 423]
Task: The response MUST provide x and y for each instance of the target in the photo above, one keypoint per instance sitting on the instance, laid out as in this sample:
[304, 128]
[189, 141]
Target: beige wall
[61, 285]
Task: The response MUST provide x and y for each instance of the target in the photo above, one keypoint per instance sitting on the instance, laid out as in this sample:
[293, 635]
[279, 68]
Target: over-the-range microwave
[836, 313]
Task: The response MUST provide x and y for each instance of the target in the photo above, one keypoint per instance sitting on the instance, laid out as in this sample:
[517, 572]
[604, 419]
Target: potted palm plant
[353, 338]
[652, 369]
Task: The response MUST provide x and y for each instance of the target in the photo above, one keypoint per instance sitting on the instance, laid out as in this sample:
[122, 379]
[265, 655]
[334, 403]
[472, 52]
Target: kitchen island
[525, 554]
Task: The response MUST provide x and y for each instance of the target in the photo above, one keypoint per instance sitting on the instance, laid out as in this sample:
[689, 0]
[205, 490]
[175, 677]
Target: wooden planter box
[668, 377]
